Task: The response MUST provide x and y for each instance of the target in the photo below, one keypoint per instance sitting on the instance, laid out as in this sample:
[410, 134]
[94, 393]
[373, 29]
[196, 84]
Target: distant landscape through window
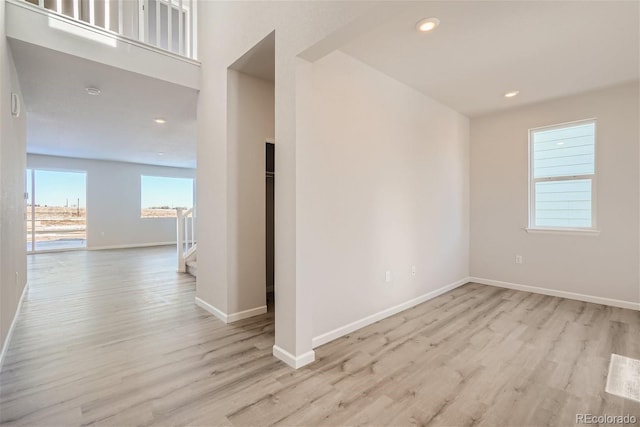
[161, 195]
[56, 210]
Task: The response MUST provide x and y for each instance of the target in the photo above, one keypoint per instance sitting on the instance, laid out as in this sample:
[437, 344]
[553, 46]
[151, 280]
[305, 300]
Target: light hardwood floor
[114, 338]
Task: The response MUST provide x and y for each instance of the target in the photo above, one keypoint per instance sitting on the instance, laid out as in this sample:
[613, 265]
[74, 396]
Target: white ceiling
[482, 49]
[63, 120]
[544, 49]
[260, 60]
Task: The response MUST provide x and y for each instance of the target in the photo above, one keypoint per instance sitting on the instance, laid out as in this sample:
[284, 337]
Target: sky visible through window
[56, 188]
[160, 192]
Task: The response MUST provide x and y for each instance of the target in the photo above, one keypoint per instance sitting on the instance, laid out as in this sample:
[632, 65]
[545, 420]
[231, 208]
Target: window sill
[566, 231]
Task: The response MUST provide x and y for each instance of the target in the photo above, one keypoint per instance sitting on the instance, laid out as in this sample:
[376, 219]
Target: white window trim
[568, 231]
[532, 228]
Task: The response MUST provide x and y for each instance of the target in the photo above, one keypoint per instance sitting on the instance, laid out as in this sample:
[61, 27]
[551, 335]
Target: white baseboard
[211, 309]
[7, 339]
[366, 321]
[50, 251]
[556, 293]
[233, 317]
[133, 245]
[294, 361]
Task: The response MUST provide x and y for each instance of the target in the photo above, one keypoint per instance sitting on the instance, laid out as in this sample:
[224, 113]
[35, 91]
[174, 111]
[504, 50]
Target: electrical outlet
[387, 276]
[518, 259]
[413, 271]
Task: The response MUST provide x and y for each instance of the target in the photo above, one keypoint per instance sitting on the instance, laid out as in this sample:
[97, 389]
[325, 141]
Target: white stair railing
[186, 236]
[166, 24]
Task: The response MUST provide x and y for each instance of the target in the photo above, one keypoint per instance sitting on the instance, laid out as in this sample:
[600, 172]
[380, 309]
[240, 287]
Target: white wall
[250, 122]
[298, 26]
[382, 185]
[13, 269]
[113, 200]
[603, 266]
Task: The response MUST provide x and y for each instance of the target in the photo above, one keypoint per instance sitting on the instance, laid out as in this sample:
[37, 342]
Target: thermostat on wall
[15, 105]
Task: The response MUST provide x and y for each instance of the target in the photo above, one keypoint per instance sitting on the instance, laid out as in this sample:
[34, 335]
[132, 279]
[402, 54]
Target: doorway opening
[56, 210]
[250, 164]
[270, 221]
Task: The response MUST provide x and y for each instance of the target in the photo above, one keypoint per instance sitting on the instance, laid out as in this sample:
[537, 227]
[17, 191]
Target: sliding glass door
[56, 210]
[30, 209]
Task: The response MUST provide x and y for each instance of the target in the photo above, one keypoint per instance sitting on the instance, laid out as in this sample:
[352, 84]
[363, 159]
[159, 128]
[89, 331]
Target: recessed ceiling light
[94, 91]
[160, 153]
[559, 143]
[511, 94]
[160, 120]
[427, 24]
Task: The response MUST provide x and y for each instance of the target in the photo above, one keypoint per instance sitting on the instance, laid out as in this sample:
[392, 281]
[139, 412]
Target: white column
[180, 28]
[182, 267]
[157, 2]
[120, 18]
[107, 14]
[92, 12]
[190, 54]
[194, 29]
[144, 22]
[169, 25]
[294, 308]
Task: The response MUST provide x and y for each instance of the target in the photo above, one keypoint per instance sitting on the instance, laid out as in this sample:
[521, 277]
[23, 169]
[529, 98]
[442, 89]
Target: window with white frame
[161, 195]
[562, 176]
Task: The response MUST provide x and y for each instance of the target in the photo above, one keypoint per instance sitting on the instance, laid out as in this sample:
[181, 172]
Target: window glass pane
[563, 203]
[565, 151]
[160, 196]
[29, 211]
[60, 210]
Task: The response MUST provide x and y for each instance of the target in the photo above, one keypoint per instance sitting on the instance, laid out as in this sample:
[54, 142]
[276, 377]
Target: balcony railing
[166, 24]
[187, 243]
